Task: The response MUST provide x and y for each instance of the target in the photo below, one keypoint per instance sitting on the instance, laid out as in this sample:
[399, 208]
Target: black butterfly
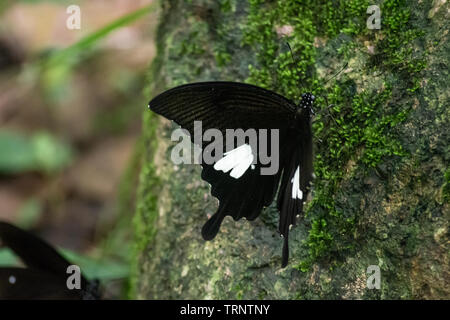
[46, 274]
[232, 105]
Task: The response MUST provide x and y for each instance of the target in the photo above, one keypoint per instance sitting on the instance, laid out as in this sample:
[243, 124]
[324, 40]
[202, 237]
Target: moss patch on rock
[381, 193]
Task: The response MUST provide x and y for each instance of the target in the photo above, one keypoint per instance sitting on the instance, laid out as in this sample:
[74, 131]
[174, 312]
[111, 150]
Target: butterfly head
[305, 106]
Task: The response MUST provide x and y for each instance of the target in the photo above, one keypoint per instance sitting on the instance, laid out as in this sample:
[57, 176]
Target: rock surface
[382, 188]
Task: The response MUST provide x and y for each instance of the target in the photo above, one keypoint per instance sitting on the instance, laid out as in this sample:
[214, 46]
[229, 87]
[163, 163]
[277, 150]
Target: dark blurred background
[70, 117]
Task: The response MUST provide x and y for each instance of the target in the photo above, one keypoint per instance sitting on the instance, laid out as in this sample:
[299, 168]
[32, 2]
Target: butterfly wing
[295, 184]
[224, 105]
[33, 251]
[40, 256]
[28, 284]
[231, 105]
[239, 198]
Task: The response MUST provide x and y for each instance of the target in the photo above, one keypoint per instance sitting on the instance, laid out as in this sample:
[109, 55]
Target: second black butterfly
[45, 275]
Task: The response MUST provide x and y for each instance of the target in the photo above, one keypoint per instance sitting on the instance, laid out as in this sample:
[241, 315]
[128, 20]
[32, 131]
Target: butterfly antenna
[331, 105]
[317, 138]
[293, 57]
[290, 49]
[342, 69]
[327, 109]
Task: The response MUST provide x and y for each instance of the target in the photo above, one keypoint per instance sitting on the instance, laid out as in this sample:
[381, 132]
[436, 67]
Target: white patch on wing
[296, 192]
[237, 160]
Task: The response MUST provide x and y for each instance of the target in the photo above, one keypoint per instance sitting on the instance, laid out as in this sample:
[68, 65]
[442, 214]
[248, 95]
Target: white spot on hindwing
[296, 192]
[237, 160]
[12, 279]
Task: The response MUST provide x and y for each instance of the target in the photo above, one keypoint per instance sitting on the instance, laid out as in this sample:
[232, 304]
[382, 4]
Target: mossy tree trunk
[381, 153]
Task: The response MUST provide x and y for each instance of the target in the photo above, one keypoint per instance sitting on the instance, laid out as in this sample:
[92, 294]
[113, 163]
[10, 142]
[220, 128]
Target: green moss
[360, 128]
[380, 153]
[446, 186]
[147, 200]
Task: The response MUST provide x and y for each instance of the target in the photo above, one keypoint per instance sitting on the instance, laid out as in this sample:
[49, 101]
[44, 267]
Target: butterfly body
[241, 184]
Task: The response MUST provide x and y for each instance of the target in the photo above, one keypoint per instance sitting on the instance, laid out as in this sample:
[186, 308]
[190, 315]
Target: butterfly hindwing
[240, 198]
[33, 251]
[295, 184]
[24, 284]
[246, 196]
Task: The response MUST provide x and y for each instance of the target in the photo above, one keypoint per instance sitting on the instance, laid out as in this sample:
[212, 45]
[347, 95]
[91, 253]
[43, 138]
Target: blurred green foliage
[102, 269]
[7, 258]
[54, 68]
[41, 151]
[30, 212]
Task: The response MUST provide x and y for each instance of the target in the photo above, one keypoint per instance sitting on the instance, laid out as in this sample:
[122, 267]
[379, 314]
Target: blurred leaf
[50, 154]
[91, 39]
[16, 153]
[40, 152]
[29, 213]
[7, 258]
[4, 5]
[103, 270]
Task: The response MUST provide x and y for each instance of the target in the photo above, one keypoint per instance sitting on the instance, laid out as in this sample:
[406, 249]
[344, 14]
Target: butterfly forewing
[224, 105]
